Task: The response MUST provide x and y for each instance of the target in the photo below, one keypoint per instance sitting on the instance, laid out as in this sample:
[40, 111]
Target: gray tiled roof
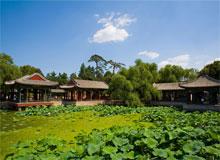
[86, 84]
[202, 81]
[25, 80]
[168, 86]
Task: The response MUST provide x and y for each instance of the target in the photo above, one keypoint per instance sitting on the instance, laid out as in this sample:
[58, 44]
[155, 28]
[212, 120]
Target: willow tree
[100, 64]
[135, 85]
[115, 65]
[8, 71]
[212, 70]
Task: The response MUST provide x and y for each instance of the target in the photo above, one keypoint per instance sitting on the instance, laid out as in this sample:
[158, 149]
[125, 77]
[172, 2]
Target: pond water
[65, 126]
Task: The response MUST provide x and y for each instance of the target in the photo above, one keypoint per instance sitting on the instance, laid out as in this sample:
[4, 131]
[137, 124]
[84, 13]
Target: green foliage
[135, 84]
[73, 76]
[28, 70]
[173, 73]
[175, 135]
[61, 78]
[212, 70]
[8, 71]
[108, 77]
[87, 73]
[100, 63]
[114, 65]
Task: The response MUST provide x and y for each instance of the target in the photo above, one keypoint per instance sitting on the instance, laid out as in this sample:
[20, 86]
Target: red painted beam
[30, 104]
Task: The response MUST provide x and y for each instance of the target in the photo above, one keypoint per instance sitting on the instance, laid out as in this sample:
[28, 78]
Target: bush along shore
[174, 135]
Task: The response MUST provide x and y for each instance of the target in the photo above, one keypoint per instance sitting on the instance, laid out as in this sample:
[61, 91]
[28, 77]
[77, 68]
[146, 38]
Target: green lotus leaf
[109, 149]
[120, 141]
[160, 153]
[150, 142]
[192, 157]
[92, 148]
[117, 156]
[199, 131]
[172, 135]
[127, 147]
[79, 150]
[193, 147]
[129, 155]
[96, 157]
[212, 150]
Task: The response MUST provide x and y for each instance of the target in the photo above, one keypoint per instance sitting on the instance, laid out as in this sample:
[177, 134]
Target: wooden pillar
[71, 93]
[187, 96]
[49, 94]
[81, 95]
[12, 94]
[19, 95]
[99, 95]
[35, 94]
[45, 94]
[27, 94]
[194, 97]
[213, 97]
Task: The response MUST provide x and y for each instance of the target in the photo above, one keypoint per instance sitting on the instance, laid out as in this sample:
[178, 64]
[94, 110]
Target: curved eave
[92, 88]
[214, 86]
[66, 87]
[49, 84]
[9, 82]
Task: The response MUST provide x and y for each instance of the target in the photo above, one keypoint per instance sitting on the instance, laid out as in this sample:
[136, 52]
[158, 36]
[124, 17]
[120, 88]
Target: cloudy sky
[60, 36]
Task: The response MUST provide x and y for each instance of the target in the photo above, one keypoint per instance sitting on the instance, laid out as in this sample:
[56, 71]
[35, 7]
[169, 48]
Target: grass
[64, 126]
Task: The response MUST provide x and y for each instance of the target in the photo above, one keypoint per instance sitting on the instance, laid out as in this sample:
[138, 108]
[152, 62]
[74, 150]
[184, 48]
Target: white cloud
[123, 21]
[152, 55]
[110, 33]
[113, 28]
[182, 60]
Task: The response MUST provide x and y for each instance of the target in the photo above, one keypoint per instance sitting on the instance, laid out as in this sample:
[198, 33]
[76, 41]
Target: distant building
[203, 90]
[30, 90]
[85, 90]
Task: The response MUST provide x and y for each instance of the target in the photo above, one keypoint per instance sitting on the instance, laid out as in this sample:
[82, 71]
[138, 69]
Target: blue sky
[60, 36]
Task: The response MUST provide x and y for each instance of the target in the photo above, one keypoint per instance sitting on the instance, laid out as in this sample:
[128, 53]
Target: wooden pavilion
[79, 90]
[30, 90]
[171, 91]
[58, 94]
[203, 90]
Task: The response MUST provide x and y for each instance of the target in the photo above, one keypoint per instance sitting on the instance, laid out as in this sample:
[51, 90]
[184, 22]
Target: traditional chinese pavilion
[171, 91]
[30, 90]
[203, 90]
[79, 90]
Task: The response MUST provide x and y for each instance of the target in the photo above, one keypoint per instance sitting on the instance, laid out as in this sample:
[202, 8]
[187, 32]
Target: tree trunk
[113, 70]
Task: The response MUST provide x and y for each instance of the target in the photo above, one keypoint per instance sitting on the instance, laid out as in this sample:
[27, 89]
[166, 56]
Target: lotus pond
[109, 132]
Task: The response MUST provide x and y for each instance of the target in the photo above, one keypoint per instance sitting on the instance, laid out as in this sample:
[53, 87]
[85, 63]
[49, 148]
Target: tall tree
[115, 65]
[212, 70]
[87, 73]
[73, 76]
[62, 78]
[100, 63]
[135, 84]
[28, 70]
[8, 71]
[107, 77]
[171, 73]
[52, 76]
[190, 74]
